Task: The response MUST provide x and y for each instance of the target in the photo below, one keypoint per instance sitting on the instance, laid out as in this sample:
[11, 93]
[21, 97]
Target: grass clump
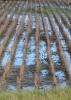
[54, 94]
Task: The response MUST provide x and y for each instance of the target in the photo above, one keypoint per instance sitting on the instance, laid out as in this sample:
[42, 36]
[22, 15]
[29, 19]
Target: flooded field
[35, 44]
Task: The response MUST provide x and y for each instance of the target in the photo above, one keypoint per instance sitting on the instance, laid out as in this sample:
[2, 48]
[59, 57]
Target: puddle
[11, 88]
[55, 58]
[54, 47]
[68, 60]
[19, 52]
[5, 58]
[44, 73]
[28, 88]
[49, 27]
[31, 55]
[43, 52]
[60, 75]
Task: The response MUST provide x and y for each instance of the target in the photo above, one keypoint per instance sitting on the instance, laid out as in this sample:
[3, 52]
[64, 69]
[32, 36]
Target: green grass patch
[54, 94]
